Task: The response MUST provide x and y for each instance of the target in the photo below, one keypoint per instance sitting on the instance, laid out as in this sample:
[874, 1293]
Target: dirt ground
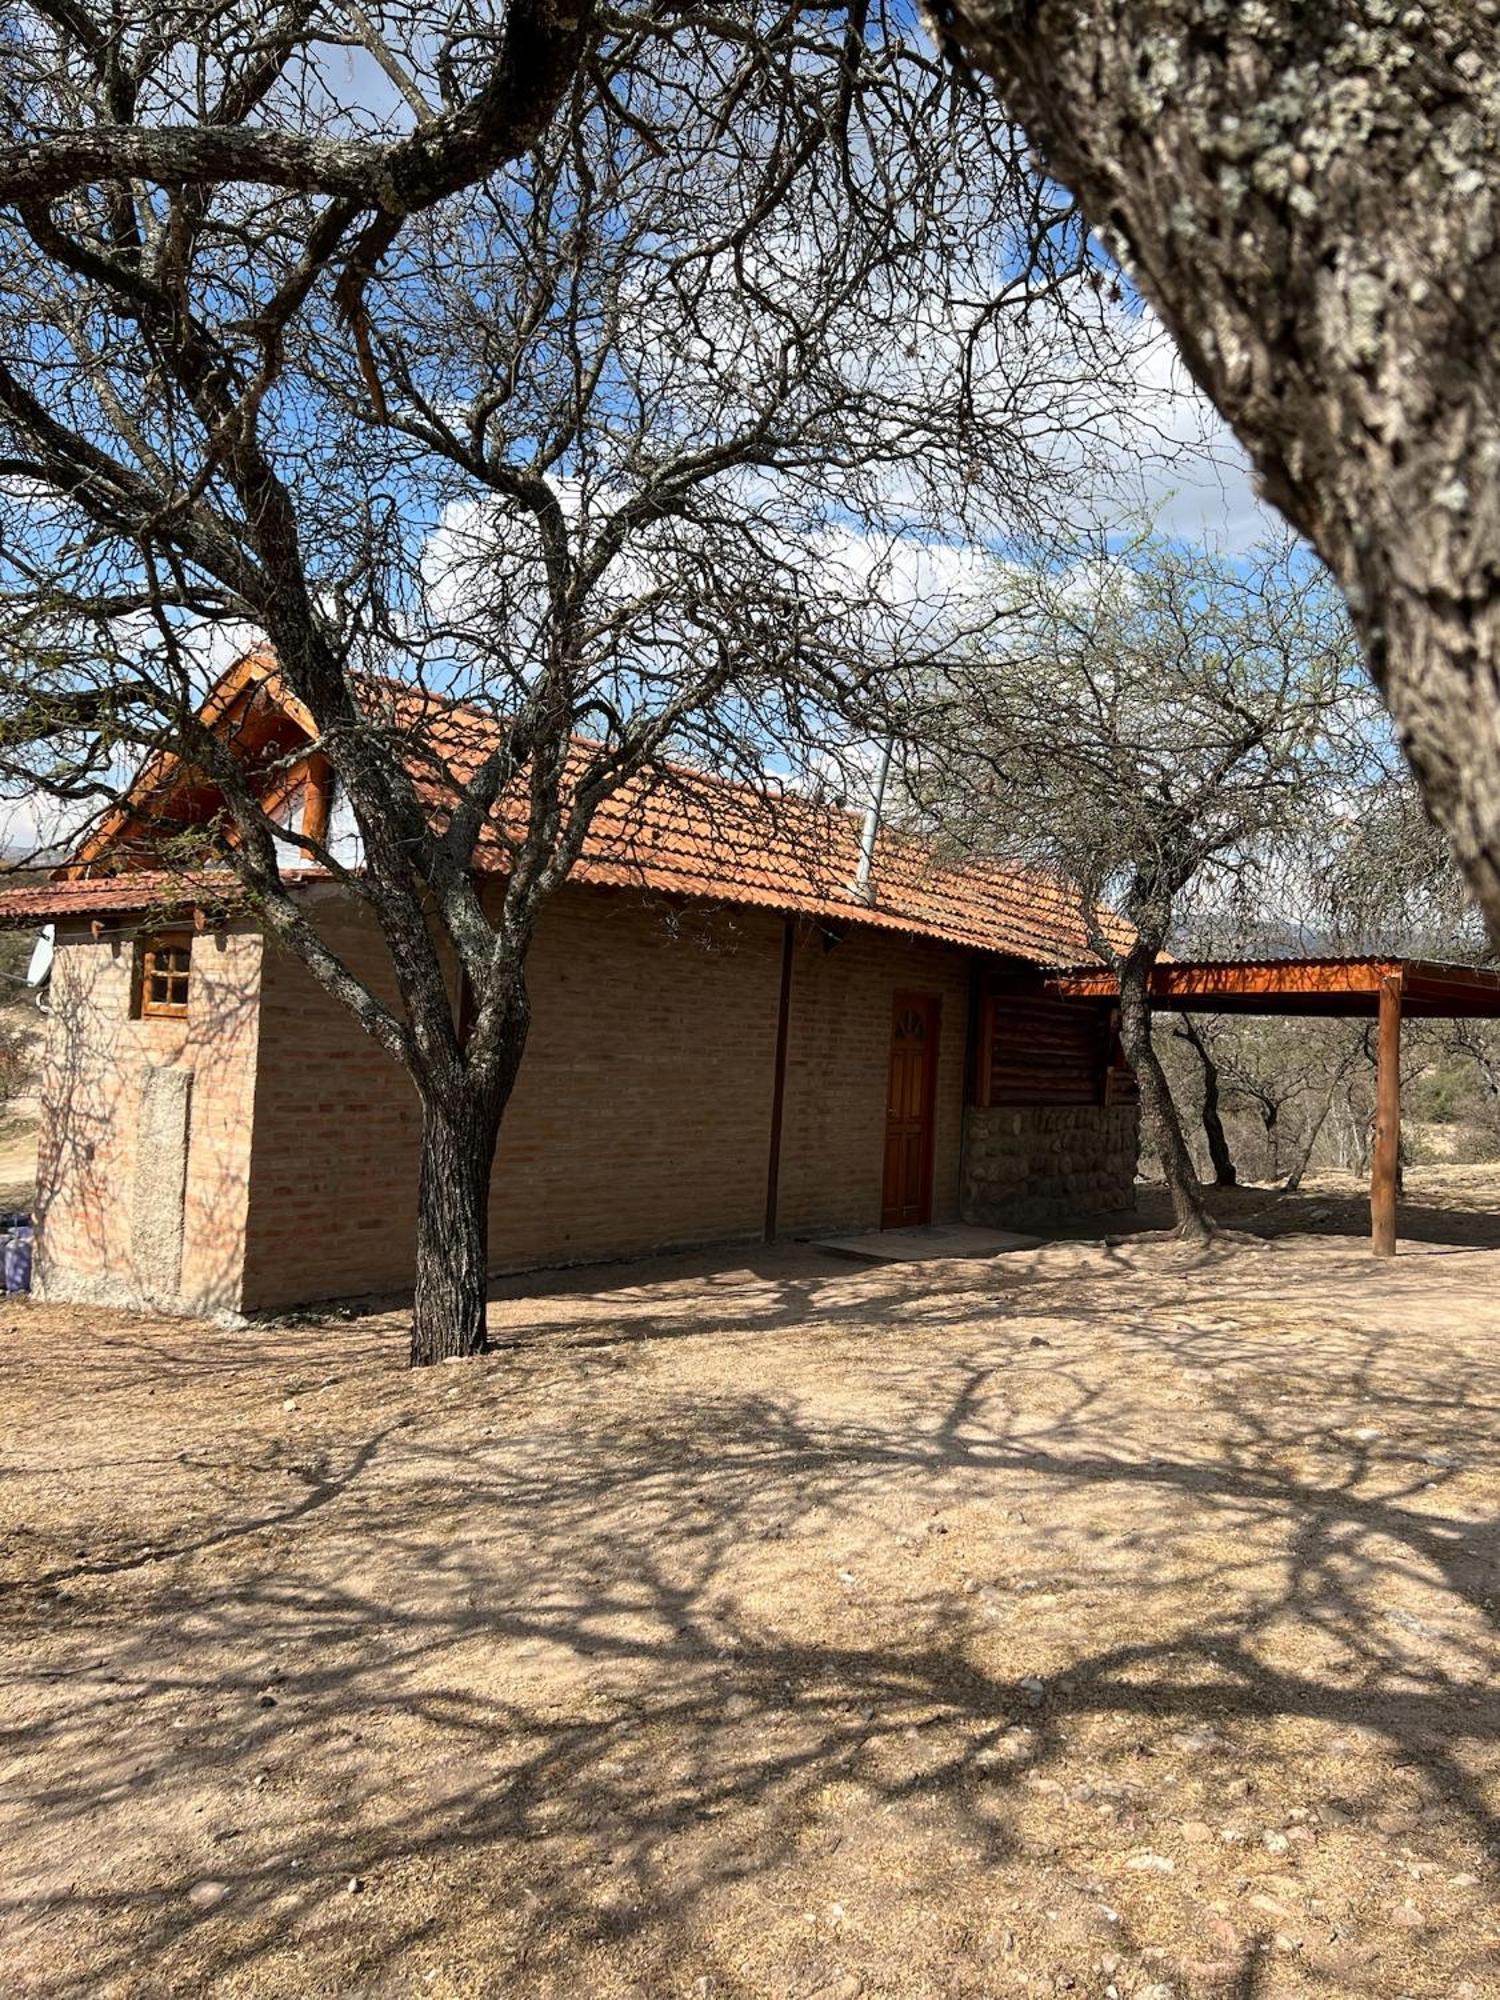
[1083, 1621]
[20, 1114]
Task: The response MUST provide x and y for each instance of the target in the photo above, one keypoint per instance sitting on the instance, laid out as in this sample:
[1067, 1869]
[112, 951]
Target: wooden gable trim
[319, 808]
[311, 775]
[253, 673]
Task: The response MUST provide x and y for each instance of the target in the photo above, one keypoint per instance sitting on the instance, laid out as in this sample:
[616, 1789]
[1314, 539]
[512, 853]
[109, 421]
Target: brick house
[731, 1040]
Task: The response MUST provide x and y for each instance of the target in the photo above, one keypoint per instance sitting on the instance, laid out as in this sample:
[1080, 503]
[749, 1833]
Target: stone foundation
[1029, 1164]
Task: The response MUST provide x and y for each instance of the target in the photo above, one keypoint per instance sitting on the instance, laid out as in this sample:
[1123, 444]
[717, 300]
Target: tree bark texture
[1158, 1112]
[1310, 197]
[1213, 1124]
[463, 1104]
[453, 1233]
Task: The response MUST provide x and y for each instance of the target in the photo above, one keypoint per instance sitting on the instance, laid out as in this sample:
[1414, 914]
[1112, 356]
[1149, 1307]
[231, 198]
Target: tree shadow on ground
[1453, 1208]
[565, 1673]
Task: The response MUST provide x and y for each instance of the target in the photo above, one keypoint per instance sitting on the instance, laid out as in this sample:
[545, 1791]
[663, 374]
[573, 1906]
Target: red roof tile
[689, 833]
[146, 890]
[686, 833]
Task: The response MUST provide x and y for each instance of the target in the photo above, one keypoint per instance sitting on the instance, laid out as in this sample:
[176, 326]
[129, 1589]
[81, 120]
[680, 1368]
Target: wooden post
[318, 799]
[1385, 1166]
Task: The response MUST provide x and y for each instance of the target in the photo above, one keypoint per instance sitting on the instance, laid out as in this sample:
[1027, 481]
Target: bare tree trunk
[1213, 1124]
[453, 1229]
[1325, 1112]
[1308, 197]
[1158, 1112]
[1294, 1178]
[463, 1106]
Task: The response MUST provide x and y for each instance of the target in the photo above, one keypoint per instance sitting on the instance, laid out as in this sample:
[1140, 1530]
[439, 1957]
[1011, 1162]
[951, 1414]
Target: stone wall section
[1033, 1164]
[143, 1160]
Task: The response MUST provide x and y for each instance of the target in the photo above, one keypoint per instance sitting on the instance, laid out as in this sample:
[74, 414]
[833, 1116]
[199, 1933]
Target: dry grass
[1081, 1622]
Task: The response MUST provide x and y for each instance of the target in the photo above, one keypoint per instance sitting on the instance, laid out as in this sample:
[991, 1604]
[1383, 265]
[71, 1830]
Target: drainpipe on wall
[778, 1074]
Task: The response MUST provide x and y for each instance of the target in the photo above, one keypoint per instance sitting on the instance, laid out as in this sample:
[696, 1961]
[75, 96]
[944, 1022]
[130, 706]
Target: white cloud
[37, 827]
[1180, 459]
[213, 649]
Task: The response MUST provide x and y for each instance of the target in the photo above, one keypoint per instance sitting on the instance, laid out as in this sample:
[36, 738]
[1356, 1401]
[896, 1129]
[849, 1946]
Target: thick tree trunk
[453, 1234]
[1213, 1124]
[1270, 1118]
[1309, 195]
[462, 1107]
[1158, 1112]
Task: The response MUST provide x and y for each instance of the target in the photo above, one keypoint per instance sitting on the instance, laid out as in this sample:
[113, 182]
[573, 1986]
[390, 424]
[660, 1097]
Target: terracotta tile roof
[787, 854]
[684, 833]
[160, 892]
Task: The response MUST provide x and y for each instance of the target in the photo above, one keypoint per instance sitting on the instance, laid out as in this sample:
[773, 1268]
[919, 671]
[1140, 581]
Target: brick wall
[94, 1180]
[332, 1176]
[838, 1059]
[641, 1119]
[641, 1116]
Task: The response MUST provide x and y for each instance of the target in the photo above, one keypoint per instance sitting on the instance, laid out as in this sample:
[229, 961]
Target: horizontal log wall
[1036, 1050]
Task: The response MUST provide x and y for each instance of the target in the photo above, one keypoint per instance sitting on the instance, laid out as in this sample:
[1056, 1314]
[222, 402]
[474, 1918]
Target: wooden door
[911, 1102]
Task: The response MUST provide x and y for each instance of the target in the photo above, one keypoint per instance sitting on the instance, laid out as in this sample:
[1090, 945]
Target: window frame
[147, 1007]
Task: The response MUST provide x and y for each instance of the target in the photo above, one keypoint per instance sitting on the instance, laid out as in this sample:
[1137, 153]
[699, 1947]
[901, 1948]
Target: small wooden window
[162, 983]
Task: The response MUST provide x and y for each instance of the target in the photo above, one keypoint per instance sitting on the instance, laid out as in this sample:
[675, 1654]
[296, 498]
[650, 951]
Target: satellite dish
[39, 971]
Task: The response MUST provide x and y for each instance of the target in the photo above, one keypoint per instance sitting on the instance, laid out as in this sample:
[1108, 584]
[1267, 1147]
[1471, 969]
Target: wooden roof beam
[1349, 986]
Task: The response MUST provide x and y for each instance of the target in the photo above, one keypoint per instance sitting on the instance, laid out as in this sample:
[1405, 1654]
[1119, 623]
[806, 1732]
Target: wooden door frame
[908, 996]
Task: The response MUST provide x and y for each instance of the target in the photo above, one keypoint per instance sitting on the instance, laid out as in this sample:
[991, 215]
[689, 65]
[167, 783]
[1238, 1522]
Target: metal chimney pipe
[862, 884]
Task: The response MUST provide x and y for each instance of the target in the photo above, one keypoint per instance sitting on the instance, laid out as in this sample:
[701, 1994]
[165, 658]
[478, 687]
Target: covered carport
[1385, 990]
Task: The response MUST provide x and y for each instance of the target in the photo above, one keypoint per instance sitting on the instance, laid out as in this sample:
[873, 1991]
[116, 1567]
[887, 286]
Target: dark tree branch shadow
[615, 1727]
